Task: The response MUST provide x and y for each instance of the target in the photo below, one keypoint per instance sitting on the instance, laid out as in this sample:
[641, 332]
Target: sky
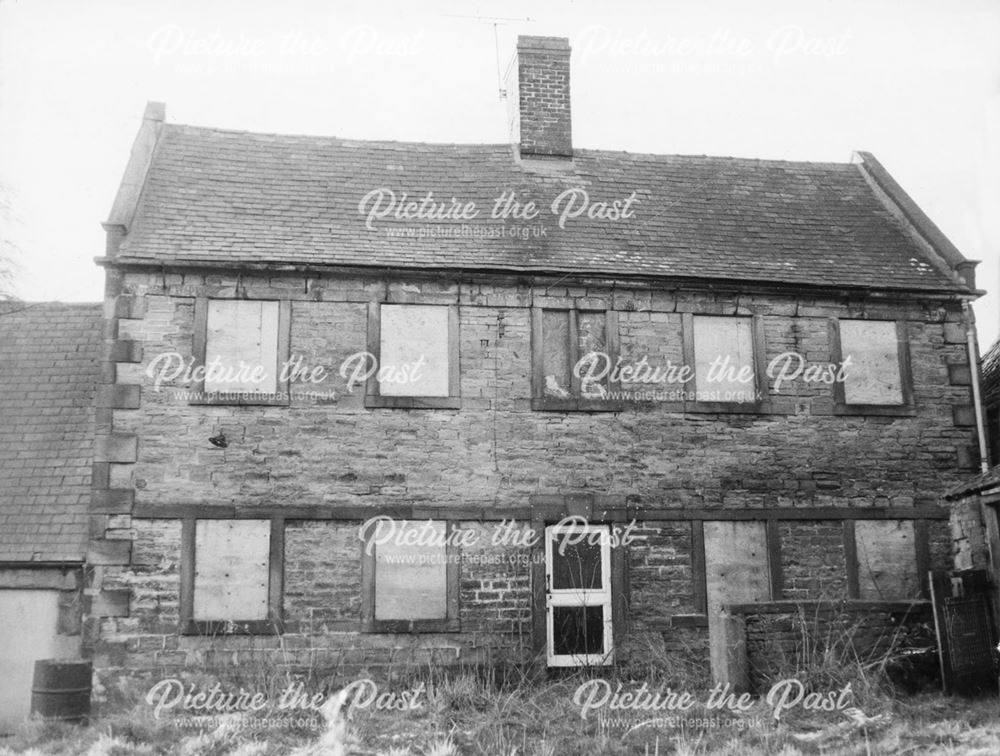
[915, 83]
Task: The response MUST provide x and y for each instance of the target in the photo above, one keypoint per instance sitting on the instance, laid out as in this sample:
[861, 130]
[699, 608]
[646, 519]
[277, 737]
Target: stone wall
[815, 565]
[495, 451]
[322, 612]
[326, 451]
[661, 575]
[968, 534]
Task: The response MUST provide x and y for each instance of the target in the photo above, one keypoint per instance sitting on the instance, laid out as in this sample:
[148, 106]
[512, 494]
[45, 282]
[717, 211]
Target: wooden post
[729, 651]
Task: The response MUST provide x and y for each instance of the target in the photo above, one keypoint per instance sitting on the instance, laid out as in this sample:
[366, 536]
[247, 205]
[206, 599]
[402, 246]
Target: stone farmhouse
[382, 405]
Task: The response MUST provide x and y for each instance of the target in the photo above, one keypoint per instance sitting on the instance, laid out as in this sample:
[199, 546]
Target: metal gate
[966, 631]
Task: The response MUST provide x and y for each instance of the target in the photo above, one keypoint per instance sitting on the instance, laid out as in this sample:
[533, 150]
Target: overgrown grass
[511, 712]
[835, 649]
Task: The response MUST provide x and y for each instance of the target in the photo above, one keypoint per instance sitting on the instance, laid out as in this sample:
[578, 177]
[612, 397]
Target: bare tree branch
[10, 252]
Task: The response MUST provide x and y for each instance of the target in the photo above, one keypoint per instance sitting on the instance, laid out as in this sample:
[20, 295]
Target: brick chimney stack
[538, 97]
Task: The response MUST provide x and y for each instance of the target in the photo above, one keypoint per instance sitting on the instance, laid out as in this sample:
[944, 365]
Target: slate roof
[981, 482]
[49, 366]
[991, 374]
[235, 197]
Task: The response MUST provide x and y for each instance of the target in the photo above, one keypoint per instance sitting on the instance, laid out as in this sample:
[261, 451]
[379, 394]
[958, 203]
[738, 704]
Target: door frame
[557, 597]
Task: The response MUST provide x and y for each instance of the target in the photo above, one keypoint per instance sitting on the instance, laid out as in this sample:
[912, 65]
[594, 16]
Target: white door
[27, 633]
[578, 595]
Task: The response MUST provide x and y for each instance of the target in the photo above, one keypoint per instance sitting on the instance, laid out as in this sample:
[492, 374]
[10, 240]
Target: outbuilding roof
[987, 480]
[49, 367]
[991, 374]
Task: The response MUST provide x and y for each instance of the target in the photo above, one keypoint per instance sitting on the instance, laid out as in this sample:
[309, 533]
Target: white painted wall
[27, 634]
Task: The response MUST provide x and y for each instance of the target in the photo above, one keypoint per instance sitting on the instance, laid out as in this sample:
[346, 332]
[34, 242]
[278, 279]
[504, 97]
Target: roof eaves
[657, 279]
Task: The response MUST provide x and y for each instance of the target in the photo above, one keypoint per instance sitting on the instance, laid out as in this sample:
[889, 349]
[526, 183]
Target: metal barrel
[61, 690]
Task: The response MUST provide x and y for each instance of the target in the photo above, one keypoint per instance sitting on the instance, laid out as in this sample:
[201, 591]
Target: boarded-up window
[411, 575]
[557, 357]
[872, 375]
[569, 336]
[231, 569]
[591, 340]
[242, 342]
[724, 360]
[887, 559]
[414, 351]
[736, 571]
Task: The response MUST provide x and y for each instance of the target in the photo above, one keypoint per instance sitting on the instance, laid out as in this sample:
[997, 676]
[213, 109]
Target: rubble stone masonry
[327, 453]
